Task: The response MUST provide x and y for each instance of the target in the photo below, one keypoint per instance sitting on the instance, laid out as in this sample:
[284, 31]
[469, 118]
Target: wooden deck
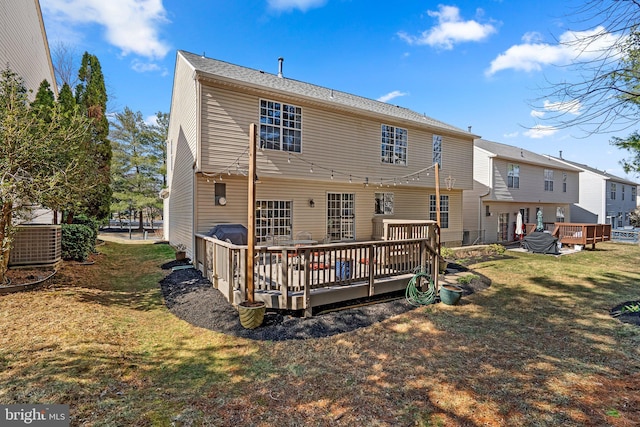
[577, 233]
[303, 277]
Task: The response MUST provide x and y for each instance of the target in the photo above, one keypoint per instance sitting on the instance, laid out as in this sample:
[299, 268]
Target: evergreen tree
[32, 138]
[91, 97]
[136, 166]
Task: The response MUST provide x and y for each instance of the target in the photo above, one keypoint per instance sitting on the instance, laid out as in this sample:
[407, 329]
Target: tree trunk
[5, 240]
[141, 225]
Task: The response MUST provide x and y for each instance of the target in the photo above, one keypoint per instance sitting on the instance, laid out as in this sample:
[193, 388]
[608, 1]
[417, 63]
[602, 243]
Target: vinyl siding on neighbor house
[532, 183]
[23, 43]
[492, 198]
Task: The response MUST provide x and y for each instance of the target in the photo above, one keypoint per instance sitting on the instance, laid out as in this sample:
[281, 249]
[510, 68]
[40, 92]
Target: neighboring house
[25, 50]
[509, 180]
[329, 164]
[604, 198]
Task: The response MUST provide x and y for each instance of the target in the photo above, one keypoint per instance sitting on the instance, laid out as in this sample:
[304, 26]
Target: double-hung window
[633, 194]
[384, 204]
[548, 180]
[394, 145]
[513, 176]
[613, 189]
[444, 210]
[280, 126]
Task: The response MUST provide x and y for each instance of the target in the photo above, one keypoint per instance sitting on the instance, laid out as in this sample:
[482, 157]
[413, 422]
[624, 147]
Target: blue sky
[479, 64]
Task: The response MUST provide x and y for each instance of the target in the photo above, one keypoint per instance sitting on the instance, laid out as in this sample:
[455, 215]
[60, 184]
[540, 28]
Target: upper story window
[513, 176]
[613, 189]
[384, 204]
[437, 150]
[622, 192]
[548, 180]
[280, 126]
[394, 145]
[564, 182]
[633, 194]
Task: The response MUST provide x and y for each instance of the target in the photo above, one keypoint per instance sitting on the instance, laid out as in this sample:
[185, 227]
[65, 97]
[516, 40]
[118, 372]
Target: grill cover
[232, 233]
[541, 243]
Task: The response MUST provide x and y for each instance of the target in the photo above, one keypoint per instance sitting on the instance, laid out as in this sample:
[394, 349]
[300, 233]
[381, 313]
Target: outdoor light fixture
[312, 204]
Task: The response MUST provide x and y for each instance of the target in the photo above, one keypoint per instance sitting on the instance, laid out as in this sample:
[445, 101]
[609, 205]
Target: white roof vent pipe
[280, 61]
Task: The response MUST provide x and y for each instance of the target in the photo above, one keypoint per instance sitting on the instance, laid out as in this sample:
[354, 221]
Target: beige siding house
[604, 198]
[329, 164]
[509, 180]
[25, 50]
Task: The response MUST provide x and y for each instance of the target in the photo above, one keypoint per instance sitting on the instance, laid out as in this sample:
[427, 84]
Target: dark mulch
[192, 298]
[628, 314]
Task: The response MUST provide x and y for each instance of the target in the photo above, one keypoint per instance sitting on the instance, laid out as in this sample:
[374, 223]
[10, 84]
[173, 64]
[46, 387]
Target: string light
[331, 173]
[311, 168]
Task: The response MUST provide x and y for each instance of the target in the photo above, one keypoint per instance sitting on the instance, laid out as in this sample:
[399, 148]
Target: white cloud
[288, 5]
[131, 25]
[451, 29]
[533, 54]
[511, 135]
[540, 131]
[571, 107]
[392, 95]
[537, 114]
[151, 120]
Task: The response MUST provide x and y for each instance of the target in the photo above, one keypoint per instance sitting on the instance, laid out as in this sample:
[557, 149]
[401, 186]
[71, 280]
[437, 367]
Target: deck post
[284, 288]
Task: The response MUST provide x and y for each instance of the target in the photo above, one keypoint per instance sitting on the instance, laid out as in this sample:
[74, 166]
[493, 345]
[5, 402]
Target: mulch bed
[192, 298]
[625, 315]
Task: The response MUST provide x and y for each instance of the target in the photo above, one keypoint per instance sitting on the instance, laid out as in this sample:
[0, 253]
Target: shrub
[92, 223]
[77, 242]
[466, 279]
[447, 253]
[497, 249]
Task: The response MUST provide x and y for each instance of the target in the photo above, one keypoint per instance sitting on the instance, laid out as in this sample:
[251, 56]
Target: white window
[280, 126]
[548, 180]
[444, 210]
[384, 204]
[341, 216]
[613, 189]
[394, 145]
[437, 150]
[273, 218]
[513, 176]
[633, 194]
[564, 182]
[559, 214]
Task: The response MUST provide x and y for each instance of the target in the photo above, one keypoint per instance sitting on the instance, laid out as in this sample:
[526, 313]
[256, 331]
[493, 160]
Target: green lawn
[538, 348]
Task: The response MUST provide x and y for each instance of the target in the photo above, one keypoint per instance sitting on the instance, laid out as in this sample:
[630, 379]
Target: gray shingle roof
[249, 76]
[511, 152]
[604, 174]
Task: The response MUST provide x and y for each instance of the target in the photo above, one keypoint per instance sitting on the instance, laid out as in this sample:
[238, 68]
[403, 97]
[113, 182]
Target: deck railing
[582, 234]
[625, 235]
[302, 277]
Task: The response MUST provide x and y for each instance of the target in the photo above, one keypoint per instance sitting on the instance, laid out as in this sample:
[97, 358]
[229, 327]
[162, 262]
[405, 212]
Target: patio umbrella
[519, 225]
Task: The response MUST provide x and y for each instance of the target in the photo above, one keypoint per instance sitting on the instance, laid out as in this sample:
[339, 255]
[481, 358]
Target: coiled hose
[415, 296]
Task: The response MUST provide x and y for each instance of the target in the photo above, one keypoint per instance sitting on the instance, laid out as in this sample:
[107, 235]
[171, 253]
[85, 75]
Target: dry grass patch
[537, 348]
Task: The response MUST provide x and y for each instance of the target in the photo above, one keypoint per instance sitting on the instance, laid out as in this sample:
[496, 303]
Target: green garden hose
[415, 296]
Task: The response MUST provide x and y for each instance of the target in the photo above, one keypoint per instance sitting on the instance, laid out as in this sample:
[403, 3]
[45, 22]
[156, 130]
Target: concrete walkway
[134, 238]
